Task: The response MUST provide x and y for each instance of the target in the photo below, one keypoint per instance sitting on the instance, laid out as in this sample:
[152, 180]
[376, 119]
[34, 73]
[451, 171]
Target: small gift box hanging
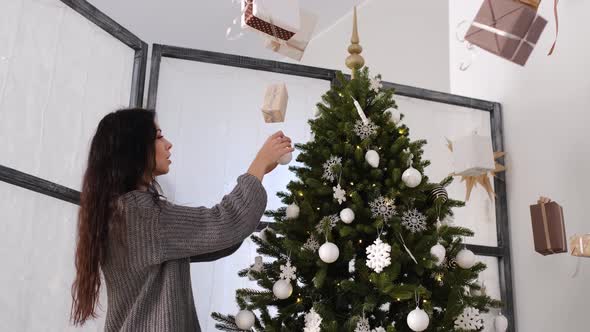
[274, 106]
[548, 227]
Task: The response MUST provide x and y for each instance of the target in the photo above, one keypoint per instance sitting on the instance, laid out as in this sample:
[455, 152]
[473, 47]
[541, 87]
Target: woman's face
[163, 154]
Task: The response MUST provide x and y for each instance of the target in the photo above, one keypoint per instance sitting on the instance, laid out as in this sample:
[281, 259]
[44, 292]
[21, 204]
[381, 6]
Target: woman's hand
[266, 160]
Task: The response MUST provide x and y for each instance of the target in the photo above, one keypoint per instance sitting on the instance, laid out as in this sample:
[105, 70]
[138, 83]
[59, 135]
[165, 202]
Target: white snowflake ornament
[382, 207]
[288, 271]
[364, 130]
[311, 244]
[385, 307]
[339, 194]
[363, 325]
[329, 168]
[414, 221]
[376, 84]
[469, 320]
[312, 321]
[378, 255]
[328, 222]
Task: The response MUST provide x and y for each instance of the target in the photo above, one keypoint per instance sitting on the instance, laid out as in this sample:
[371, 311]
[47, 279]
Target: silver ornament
[412, 177]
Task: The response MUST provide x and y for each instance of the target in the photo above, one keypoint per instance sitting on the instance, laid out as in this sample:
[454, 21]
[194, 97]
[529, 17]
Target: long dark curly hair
[121, 159]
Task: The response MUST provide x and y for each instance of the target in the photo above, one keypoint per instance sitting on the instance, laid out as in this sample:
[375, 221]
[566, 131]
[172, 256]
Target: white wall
[545, 126]
[405, 41]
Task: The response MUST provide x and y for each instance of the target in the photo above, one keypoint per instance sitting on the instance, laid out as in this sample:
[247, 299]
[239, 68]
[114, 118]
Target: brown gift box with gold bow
[533, 3]
[507, 28]
[274, 106]
[548, 227]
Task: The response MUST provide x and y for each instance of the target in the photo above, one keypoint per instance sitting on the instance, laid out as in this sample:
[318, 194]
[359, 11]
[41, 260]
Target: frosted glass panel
[435, 122]
[59, 74]
[37, 253]
[211, 113]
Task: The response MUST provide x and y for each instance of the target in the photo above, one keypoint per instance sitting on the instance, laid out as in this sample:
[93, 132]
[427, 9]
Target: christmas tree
[363, 244]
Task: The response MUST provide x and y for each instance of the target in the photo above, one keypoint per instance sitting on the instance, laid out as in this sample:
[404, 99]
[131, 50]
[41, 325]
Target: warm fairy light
[299, 300]
[358, 147]
[398, 299]
[360, 241]
[301, 193]
[318, 209]
[374, 185]
[402, 131]
[424, 301]
[352, 184]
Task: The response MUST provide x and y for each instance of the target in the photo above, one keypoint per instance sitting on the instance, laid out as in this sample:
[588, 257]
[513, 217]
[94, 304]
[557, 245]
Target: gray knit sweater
[149, 284]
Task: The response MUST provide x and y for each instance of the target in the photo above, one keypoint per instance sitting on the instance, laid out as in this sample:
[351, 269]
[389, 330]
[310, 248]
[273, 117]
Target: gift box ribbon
[542, 201]
[503, 34]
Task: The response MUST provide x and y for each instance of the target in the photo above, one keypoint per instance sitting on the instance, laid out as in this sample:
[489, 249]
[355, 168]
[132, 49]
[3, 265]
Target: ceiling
[202, 24]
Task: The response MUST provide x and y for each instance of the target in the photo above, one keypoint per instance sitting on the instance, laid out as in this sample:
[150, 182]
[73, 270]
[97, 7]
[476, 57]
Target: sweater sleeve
[191, 231]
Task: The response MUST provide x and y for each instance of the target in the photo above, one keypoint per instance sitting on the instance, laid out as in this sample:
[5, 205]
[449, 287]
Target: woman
[140, 242]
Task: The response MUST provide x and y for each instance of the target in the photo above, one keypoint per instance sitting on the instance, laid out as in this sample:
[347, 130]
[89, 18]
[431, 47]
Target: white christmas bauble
[245, 319]
[396, 116]
[412, 177]
[292, 211]
[418, 320]
[329, 252]
[282, 289]
[465, 258]
[439, 252]
[347, 215]
[286, 158]
[372, 157]
[501, 323]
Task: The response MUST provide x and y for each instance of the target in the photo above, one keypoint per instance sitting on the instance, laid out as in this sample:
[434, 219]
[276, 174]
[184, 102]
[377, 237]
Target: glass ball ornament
[465, 259]
[245, 319]
[282, 289]
[329, 252]
[418, 320]
[412, 177]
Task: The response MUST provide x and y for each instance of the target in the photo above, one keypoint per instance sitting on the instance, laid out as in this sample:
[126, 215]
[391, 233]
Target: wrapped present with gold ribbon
[548, 227]
[507, 28]
[274, 106]
[533, 3]
[580, 245]
[295, 47]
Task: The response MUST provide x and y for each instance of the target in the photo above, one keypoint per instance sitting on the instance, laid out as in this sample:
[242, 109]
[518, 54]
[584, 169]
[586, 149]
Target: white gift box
[473, 155]
[276, 18]
[295, 47]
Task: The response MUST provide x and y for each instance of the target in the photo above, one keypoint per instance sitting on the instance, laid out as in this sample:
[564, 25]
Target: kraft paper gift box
[548, 228]
[533, 3]
[274, 106]
[473, 155]
[295, 47]
[580, 245]
[276, 18]
[507, 28]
